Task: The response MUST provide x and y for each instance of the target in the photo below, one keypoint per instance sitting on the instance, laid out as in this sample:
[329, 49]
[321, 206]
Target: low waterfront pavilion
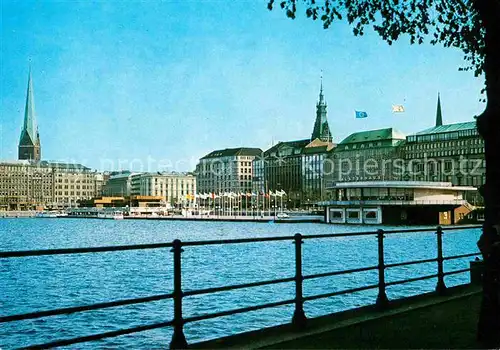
[396, 202]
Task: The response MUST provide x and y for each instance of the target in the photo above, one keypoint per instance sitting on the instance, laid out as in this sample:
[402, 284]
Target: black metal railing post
[440, 287]
[178, 339]
[299, 317]
[382, 300]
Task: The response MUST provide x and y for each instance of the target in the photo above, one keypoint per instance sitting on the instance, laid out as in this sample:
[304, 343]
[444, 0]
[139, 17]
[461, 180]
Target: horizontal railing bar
[342, 234]
[415, 230]
[236, 241]
[464, 227]
[346, 291]
[26, 253]
[70, 310]
[461, 256]
[62, 251]
[238, 311]
[415, 262]
[237, 286]
[415, 279]
[336, 273]
[99, 336]
[456, 272]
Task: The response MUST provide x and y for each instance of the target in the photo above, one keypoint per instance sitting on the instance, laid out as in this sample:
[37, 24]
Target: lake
[48, 282]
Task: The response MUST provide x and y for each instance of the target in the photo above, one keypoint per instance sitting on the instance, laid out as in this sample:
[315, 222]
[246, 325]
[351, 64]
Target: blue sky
[164, 83]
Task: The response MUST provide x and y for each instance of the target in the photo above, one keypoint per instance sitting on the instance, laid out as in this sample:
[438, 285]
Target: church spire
[29, 112]
[321, 129]
[439, 116]
[321, 89]
[29, 143]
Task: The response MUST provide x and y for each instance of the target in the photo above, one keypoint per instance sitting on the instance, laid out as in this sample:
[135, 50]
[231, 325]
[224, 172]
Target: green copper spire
[439, 116]
[29, 142]
[29, 113]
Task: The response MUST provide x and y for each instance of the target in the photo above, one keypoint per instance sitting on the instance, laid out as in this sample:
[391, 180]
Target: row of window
[451, 152]
[443, 136]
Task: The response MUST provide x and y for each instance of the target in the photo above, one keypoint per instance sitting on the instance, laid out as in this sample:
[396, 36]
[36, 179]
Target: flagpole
[257, 204]
[268, 204]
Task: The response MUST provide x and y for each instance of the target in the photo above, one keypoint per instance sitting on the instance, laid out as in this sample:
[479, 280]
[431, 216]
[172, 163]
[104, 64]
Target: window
[353, 215]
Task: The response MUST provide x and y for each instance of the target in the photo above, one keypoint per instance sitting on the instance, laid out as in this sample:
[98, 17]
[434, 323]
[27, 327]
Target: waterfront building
[396, 202]
[447, 152]
[283, 169]
[173, 188]
[227, 170]
[27, 185]
[29, 141]
[74, 183]
[24, 185]
[296, 167]
[118, 184]
[366, 156]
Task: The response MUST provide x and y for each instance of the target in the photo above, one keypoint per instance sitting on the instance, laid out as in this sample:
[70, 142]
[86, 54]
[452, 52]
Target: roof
[165, 174]
[120, 176]
[68, 166]
[374, 135]
[317, 146]
[46, 164]
[403, 184]
[448, 128]
[17, 162]
[289, 144]
[229, 152]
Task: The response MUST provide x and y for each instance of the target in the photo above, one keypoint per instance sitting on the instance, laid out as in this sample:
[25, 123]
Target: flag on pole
[361, 114]
[398, 108]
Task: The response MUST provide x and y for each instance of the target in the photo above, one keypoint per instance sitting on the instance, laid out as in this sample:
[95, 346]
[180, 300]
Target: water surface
[48, 282]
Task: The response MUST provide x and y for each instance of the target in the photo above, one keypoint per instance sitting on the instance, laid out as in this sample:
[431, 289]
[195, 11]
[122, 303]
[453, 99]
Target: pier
[300, 324]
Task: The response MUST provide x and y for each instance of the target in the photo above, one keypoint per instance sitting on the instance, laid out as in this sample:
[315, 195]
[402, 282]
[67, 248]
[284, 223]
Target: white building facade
[228, 170]
[175, 188]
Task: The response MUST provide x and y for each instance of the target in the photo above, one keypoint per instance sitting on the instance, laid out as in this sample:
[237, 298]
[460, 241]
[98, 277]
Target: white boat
[116, 215]
[46, 214]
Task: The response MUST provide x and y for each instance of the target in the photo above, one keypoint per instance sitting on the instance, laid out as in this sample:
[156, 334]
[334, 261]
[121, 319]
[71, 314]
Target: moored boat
[46, 214]
[116, 215]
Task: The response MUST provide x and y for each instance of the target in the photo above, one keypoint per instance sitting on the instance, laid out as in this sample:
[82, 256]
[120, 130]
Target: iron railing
[298, 319]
